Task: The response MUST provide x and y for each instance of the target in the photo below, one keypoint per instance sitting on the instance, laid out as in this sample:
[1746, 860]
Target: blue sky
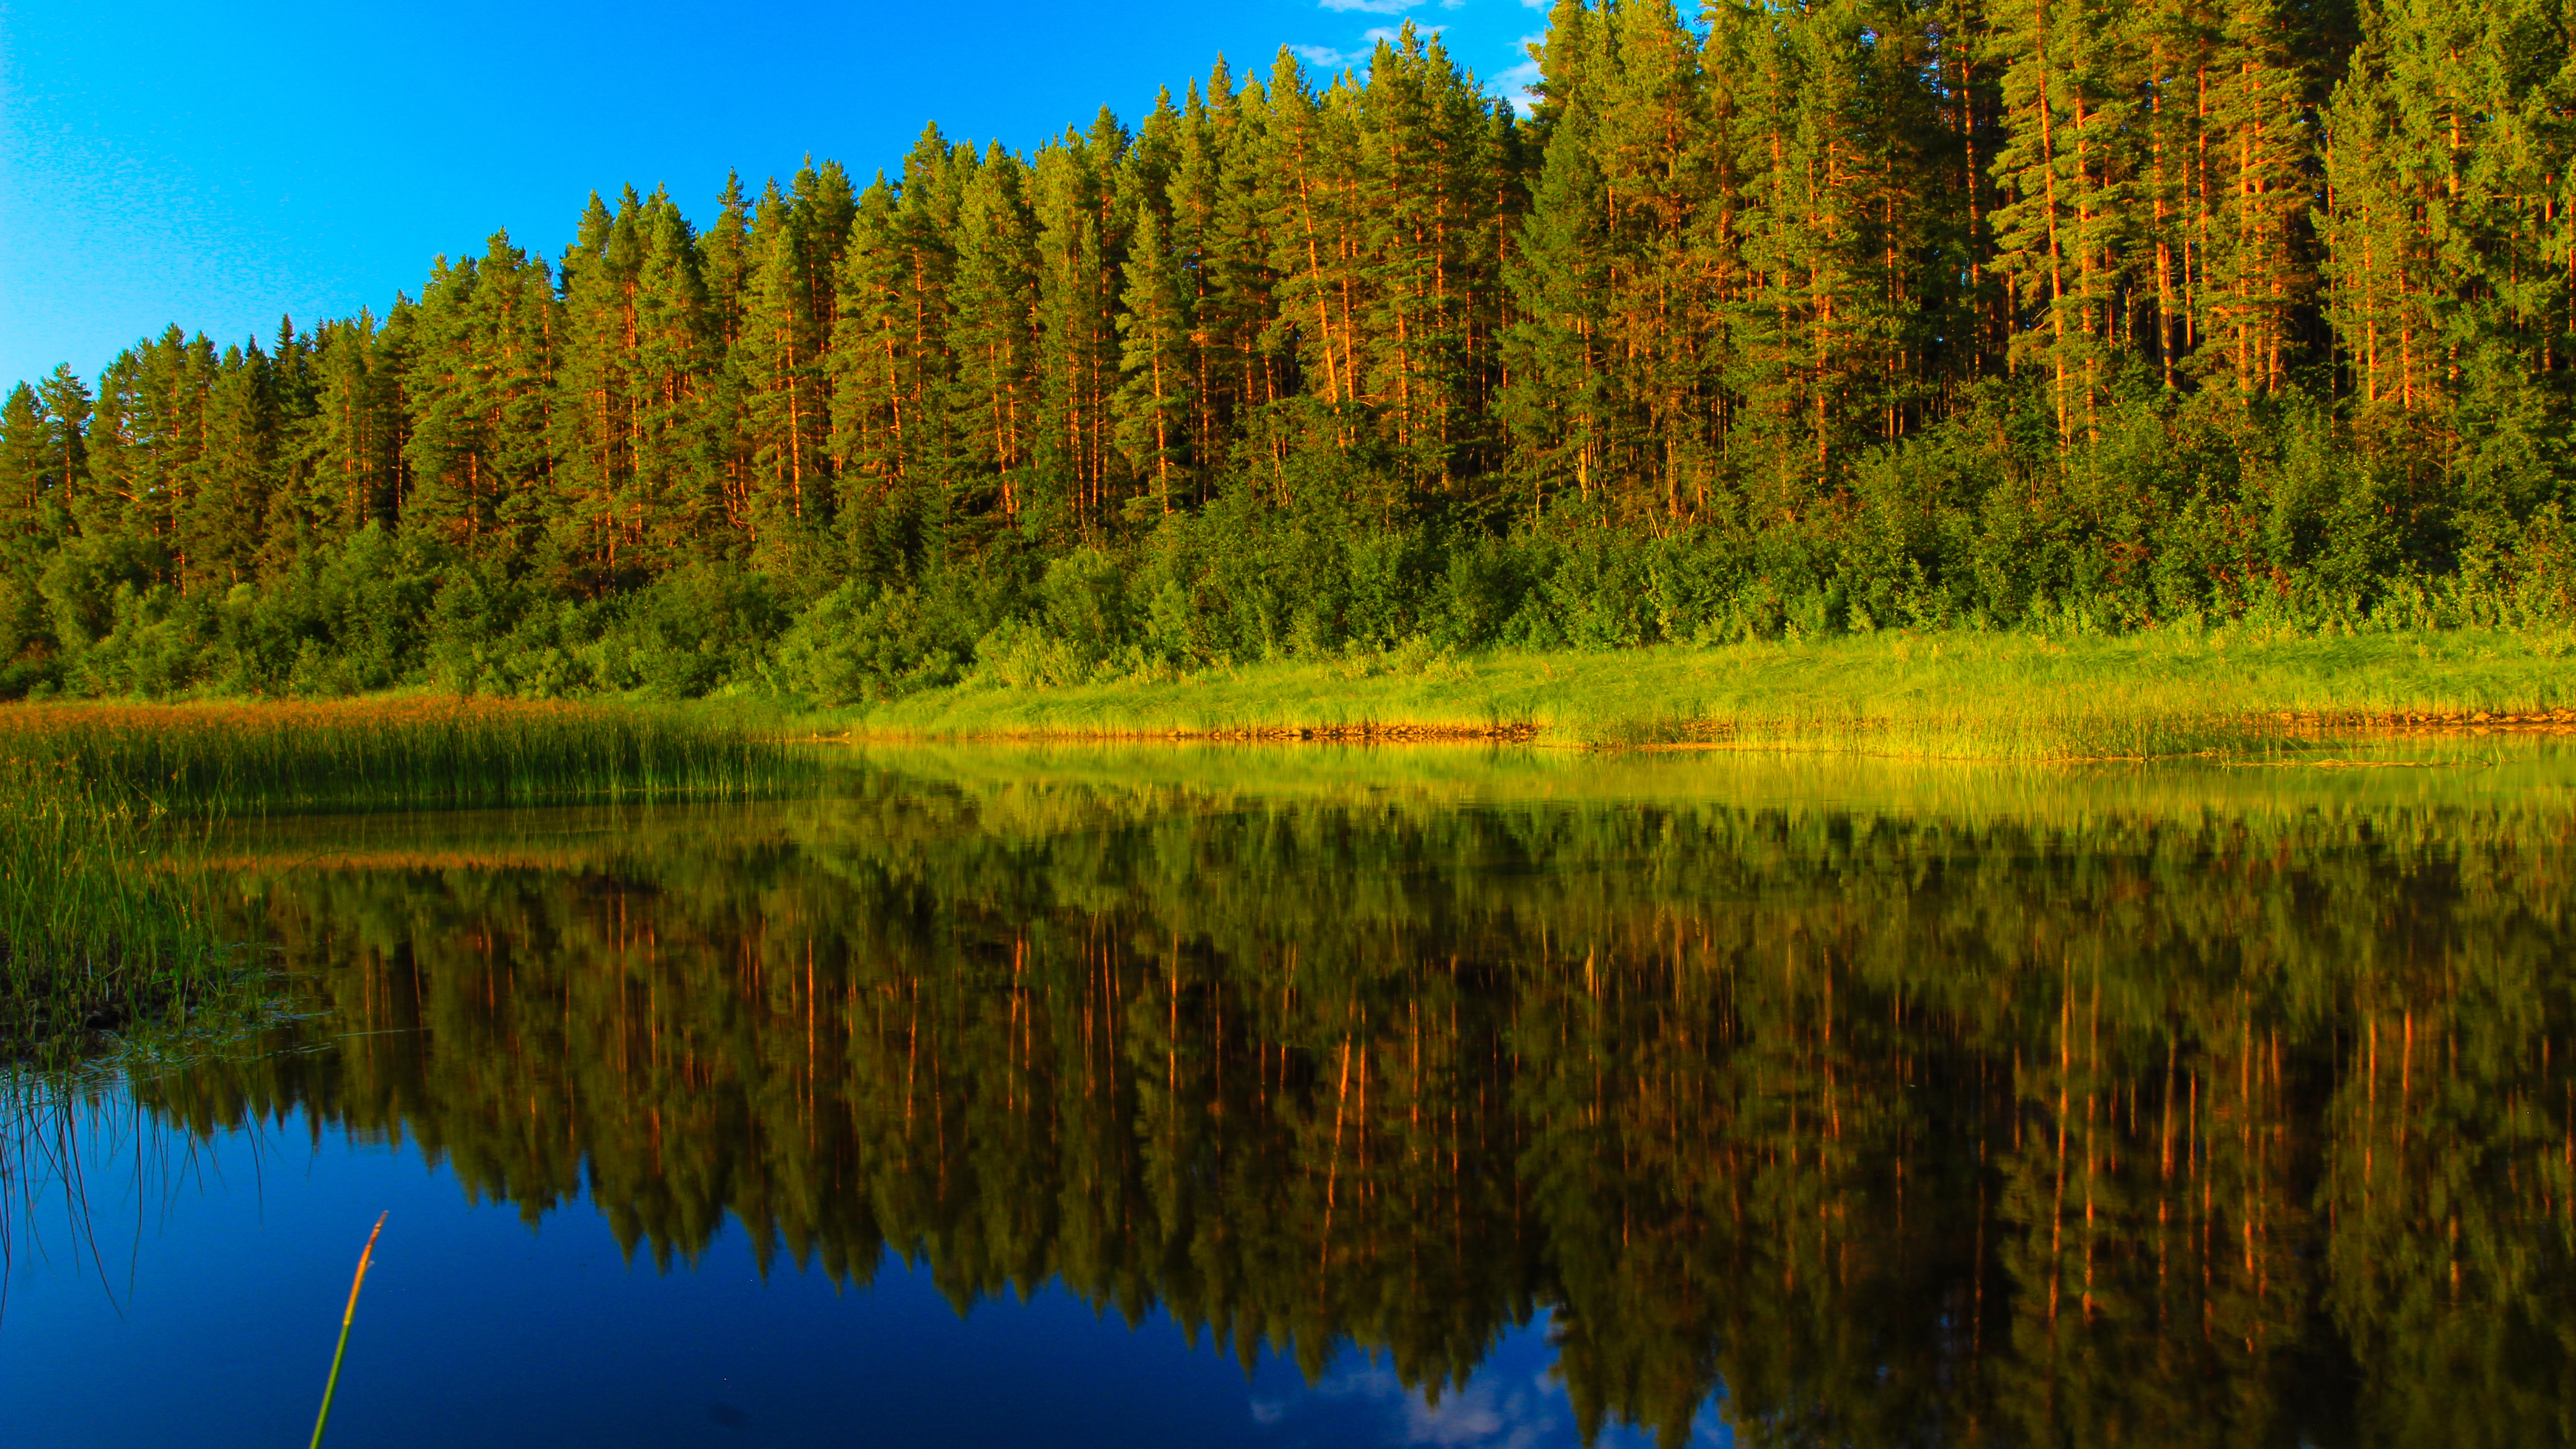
[217, 164]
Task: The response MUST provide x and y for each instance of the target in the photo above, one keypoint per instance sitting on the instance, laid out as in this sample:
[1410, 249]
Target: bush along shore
[101, 925]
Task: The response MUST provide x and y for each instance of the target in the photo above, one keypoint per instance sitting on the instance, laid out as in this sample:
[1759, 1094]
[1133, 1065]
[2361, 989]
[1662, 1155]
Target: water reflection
[2158, 1108]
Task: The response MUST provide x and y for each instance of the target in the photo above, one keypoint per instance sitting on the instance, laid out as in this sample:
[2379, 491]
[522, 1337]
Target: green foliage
[1771, 324]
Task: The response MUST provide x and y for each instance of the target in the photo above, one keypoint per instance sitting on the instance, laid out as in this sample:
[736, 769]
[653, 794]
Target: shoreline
[2540, 723]
[1954, 695]
[1959, 694]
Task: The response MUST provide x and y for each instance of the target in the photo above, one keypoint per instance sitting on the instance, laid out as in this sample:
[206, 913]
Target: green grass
[1949, 695]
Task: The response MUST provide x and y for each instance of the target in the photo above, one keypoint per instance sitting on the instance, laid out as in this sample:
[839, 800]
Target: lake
[1305, 1096]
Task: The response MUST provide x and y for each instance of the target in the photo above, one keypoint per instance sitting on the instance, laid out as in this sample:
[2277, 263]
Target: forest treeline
[1784, 318]
[2111, 1121]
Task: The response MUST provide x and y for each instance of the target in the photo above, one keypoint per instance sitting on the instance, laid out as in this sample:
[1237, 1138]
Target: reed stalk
[347, 1317]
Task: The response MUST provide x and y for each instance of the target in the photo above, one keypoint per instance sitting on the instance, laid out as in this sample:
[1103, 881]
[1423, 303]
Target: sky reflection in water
[187, 1294]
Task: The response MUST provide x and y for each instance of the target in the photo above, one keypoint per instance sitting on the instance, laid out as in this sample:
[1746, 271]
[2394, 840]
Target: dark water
[1167, 1097]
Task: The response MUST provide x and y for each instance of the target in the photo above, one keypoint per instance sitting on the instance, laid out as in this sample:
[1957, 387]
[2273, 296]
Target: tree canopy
[1784, 317]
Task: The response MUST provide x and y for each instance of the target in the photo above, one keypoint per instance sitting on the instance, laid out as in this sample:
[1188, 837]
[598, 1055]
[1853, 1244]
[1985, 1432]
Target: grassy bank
[1985, 696]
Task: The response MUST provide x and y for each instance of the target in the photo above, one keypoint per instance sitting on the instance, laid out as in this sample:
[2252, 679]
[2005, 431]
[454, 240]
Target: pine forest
[1779, 319]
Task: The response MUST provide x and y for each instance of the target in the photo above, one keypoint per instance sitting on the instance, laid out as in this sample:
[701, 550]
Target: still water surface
[1450, 1097]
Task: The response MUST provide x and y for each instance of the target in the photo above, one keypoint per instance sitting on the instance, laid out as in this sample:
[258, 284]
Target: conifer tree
[724, 260]
[26, 463]
[1852, 270]
[595, 509]
[2256, 132]
[993, 329]
[828, 207]
[1238, 304]
[478, 388]
[1429, 179]
[227, 505]
[1156, 403]
[343, 454]
[1075, 202]
[891, 361]
[67, 404]
[2447, 249]
[1312, 246]
[1692, 303]
[2174, 49]
[1560, 401]
[786, 418]
[677, 351]
[148, 443]
[2058, 170]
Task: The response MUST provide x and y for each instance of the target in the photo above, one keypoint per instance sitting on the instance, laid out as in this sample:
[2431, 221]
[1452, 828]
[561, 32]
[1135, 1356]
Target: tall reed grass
[397, 754]
[97, 926]
[94, 927]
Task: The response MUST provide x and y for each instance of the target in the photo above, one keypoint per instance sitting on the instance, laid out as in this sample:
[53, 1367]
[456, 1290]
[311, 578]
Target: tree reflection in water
[2079, 1119]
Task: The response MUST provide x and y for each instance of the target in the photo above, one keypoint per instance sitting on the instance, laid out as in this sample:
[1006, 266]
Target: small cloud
[1520, 83]
[1266, 1412]
[1468, 1418]
[1372, 1382]
[1481, 1416]
[1361, 54]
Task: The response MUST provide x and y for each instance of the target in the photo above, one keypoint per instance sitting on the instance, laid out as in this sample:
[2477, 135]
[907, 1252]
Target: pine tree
[1560, 402]
[1852, 272]
[1429, 173]
[594, 415]
[677, 352]
[1656, 149]
[1075, 202]
[343, 454]
[724, 260]
[786, 419]
[26, 463]
[1248, 366]
[220, 532]
[993, 329]
[891, 360]
[2174, 43]
[1156, 403]
[478, 386]
[148, 443]
[2256, 131]
[1313, 246]
[68, 408]
[1628, 257]
[2060, 168]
